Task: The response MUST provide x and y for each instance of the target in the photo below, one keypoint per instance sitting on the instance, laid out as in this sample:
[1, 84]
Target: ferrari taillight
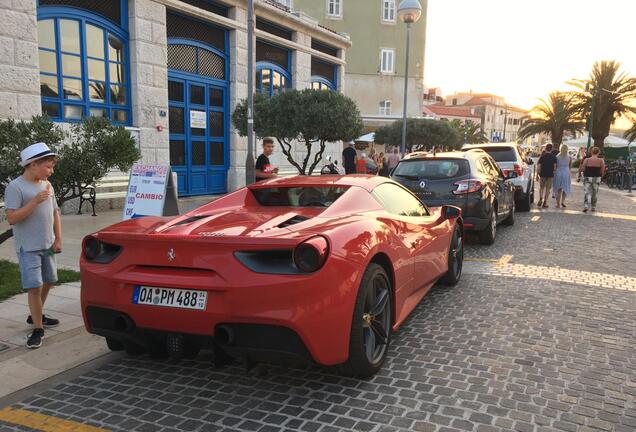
[311, 254]
[99, 252]
[467, 186]
[518, 169]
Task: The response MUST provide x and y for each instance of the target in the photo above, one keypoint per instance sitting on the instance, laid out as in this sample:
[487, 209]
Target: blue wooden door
[198, 134]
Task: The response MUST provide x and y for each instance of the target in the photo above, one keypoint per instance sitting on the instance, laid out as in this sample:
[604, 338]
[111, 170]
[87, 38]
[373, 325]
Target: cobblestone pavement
[539, 335]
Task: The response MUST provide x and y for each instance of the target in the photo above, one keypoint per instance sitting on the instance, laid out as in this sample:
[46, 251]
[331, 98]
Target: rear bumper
[257, 342]
[304, 316]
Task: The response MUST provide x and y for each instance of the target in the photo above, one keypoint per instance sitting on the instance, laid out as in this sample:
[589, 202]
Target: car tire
[114, 344]
[455, 259]
[487, 235]
[133, 349]
[366, 353]
[510, 220]
[526, 201]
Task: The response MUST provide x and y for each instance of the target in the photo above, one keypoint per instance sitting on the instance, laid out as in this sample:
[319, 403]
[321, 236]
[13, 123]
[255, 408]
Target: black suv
[470, 180]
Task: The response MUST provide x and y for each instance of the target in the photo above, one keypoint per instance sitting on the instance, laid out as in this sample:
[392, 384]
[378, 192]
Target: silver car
[509, 158]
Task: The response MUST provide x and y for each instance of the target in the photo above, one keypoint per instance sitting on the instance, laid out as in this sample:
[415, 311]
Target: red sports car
[322, 269]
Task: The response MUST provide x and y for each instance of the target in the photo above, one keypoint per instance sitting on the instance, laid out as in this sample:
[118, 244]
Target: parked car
[312, 268]
[509, 158]
[470, 180]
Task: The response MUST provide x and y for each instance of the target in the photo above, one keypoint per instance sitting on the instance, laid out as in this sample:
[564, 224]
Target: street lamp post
[409, 12]
[250, 172]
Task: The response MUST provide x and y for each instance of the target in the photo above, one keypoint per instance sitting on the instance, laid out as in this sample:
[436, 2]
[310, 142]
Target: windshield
[305, 196]
[502, 154]
[432, 169]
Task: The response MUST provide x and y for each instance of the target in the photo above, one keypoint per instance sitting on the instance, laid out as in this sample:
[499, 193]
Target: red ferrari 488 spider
[320, 269]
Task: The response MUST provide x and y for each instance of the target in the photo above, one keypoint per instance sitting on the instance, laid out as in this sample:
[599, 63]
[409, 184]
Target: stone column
[238, 92]
[149, 76]
[301, 62]
[19, 64]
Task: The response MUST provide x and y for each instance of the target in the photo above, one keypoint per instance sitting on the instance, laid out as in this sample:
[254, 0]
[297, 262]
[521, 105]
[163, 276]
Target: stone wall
[19, 64]
[149, 76]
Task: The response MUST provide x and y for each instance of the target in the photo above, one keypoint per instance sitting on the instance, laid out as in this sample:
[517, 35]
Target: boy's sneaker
[35, 338]
[47, 321]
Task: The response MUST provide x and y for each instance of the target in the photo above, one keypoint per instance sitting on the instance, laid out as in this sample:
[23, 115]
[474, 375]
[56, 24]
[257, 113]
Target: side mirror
[529, 161]
[451, 212]
[511, 175]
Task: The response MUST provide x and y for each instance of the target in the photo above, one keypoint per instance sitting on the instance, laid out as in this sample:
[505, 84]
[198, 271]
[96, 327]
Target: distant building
[442, 112]
[500, 121]
[374, 75]
[433, 96]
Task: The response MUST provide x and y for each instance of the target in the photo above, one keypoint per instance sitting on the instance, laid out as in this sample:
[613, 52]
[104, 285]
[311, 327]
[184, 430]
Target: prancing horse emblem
[171, 254]
[422, 184]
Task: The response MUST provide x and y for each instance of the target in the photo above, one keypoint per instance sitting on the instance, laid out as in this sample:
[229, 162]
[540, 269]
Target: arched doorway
[198, 116]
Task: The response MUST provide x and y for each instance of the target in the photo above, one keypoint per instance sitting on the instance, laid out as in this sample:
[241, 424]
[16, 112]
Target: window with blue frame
[273, 68]
[323, 75]
[83, 65]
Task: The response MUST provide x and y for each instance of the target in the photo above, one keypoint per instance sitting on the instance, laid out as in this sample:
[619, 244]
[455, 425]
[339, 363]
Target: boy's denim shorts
[36, 268]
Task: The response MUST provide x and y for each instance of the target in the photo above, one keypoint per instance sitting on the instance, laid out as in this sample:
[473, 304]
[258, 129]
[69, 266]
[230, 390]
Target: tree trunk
[599, 142]
[6, 235]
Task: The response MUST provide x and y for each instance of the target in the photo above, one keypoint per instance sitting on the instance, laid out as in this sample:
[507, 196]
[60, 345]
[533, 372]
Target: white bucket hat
[34, 152]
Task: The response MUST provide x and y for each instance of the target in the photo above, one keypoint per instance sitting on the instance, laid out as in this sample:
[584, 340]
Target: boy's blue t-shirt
[36, 231]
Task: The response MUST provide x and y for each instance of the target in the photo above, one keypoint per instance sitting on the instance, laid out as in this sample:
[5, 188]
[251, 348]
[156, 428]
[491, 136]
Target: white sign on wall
[151, 192]
[198, 119]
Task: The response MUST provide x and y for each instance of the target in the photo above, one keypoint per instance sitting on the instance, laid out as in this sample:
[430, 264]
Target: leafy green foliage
[555, 116]
[420, 134]
[612, 93]
[313, 117]
[93, 148]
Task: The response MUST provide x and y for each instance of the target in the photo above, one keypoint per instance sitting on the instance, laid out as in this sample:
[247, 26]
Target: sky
[524, 49]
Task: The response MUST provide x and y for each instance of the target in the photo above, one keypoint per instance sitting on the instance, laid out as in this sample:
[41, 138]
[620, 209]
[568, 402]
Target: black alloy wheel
[372, 322]
[488, 234]
[455, 259]
[510, 219]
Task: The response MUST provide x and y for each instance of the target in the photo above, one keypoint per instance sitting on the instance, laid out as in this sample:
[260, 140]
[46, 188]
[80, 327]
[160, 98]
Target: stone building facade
[171, 71]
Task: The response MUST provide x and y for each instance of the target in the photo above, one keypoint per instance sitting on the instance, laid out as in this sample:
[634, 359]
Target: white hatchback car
[509, 158]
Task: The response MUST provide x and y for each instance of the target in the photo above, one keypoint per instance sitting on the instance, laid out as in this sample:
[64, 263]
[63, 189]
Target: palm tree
[470, 133]
[630, 134]
[554, 117]
[611, 91]
[474, 134]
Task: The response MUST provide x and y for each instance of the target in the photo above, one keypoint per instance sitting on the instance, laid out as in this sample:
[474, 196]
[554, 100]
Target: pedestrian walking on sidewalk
[393, 159]
[350, 159]
[32, 211]
[545, 174]
[562, 177]
[592, 169]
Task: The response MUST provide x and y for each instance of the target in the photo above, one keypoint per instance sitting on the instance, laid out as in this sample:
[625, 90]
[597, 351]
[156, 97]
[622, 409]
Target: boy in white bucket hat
[37, 231]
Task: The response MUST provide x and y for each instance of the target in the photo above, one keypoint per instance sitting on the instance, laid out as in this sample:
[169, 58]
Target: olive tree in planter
[312, 117]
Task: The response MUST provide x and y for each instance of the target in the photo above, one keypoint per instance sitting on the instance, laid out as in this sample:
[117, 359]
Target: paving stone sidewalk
[543, 340]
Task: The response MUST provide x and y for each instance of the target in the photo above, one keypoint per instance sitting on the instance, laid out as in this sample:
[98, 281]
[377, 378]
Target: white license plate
[170, 297]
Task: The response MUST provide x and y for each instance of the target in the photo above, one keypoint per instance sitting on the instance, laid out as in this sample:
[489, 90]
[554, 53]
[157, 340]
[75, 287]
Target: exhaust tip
[123, 324]
[224, 335]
